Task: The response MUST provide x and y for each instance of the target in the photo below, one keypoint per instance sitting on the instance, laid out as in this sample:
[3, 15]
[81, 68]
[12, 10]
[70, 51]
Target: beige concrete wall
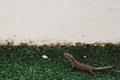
[51, 21]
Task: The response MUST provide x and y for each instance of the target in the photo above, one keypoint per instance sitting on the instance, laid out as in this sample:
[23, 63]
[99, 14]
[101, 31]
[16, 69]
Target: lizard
[76, 63]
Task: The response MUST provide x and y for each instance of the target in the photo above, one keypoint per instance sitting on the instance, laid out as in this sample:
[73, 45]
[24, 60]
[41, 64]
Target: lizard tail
[101, 68]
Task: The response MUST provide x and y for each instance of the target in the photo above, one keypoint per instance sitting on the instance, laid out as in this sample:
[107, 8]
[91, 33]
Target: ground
[25, 62]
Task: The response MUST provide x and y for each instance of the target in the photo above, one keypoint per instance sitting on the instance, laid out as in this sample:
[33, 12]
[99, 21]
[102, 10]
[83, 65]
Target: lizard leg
[73, 67]
[91, 72]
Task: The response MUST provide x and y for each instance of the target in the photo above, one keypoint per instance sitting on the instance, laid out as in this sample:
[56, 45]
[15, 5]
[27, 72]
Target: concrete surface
[51, 21]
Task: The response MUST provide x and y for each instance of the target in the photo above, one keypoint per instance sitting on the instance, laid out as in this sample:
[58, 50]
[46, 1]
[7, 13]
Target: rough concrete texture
[53, 21]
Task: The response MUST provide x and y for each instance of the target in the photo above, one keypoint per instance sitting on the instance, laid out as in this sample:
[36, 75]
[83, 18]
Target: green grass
[25, 62]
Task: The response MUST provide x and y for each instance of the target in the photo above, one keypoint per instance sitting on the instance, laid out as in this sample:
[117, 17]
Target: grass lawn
[26, 63]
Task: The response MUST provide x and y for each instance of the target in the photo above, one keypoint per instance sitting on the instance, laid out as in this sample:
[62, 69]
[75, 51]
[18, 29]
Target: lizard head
[69, 56]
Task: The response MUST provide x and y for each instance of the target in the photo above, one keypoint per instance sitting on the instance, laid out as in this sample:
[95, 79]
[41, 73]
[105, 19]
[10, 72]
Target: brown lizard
[82, 66]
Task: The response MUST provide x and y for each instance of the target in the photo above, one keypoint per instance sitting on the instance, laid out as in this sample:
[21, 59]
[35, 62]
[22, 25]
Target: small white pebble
[84, 57]
[44, 56]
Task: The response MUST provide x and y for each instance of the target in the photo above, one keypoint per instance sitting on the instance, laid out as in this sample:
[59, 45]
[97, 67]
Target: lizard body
[82, 66]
